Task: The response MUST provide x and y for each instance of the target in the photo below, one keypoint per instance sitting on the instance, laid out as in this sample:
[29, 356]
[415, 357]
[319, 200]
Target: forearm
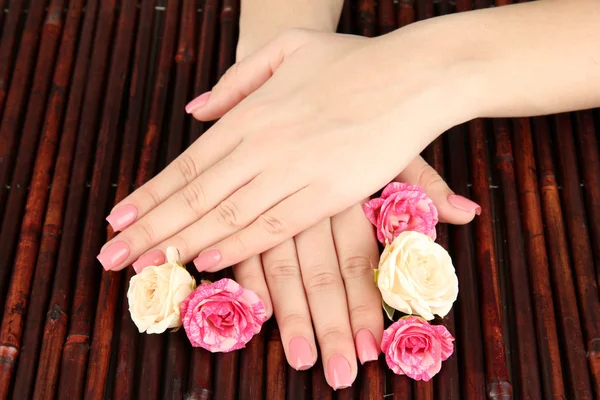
[263, 20]
[528, 59]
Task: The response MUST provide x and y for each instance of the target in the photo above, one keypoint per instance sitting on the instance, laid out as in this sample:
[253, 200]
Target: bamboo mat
[91, 103]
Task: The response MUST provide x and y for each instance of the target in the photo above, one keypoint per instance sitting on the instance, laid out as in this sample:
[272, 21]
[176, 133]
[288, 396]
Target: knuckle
[150, 195]
[272, 225]
[330, 334]
[293, 319]
[356, 267]
[428, 177]
[228, 213]
[284, 269]
[239, 244]
[362, 312]
[321, 281]
[187, 167]
[144, 232]
[194, 198]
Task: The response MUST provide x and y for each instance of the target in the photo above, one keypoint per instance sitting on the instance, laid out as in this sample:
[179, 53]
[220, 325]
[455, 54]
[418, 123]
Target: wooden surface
[91, 106]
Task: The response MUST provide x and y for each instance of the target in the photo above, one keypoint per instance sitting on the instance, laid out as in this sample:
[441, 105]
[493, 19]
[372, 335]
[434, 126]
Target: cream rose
[416, 276]
[156, 293]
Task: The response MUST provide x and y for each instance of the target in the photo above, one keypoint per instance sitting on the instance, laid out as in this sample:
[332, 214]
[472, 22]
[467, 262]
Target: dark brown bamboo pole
[56, 321]
[527, 355]
[151, 362]
[472, 370]
[104, 328]
[320, 388]
[401, 387]
[225, 376]
[566, 301]
[40, 192]
[10, 36]
[346, 23]
[276, 365]
[175, 374]
[349, 393]
[20, 284]
[299, 384]
[372, 380]
[2, 8]
[587, 144]
[406, 12]
[366, 18]
[16, 101]
[535, 246]
[386, 15]
[252, 368]
[581, 249]
[206, 45]
[76, 347]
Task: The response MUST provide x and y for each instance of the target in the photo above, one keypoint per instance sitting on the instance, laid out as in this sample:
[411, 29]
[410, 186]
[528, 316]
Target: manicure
[366, 346]
[207, 260]
[339, 372]
[122, 217]
[114, 255]
[462, 203]
[197, 103]
[300, 353]
[155, 257]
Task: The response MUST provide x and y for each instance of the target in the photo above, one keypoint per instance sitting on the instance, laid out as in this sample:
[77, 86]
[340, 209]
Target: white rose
[416, 276]
[156, 293]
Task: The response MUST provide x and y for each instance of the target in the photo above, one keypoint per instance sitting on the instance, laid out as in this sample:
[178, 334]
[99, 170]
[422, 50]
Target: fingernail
[464, 204]
[300, 353]
[155, 257]
[114, 255]
[339, 372]
[366, 346]
[207, 260]
[197, 102]
[122, 217]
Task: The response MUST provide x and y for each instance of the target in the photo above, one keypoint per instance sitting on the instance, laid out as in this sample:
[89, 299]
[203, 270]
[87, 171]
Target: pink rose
[222, 316]
[414, 348]
[401, 207]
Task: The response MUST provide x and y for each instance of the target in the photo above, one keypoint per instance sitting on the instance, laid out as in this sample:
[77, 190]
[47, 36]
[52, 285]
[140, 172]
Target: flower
[222, 316]
[155, 294]
[416, 276]
[414, 348]
[401, 207]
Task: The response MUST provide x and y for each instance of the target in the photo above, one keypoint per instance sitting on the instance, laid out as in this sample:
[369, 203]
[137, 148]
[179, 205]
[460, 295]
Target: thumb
[246, 76]
[452, 208]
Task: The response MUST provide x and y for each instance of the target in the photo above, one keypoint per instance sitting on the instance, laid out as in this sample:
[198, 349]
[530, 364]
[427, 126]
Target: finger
[282, 272]
[245, 77]
[177, 212]
[358, 255]
[327, 301]
[198, 158]
[232, 214]
[249, 274]
[451, 208]
[281, 222]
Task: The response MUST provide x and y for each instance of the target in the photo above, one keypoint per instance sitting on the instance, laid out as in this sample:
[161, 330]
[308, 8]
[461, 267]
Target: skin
[309, 104]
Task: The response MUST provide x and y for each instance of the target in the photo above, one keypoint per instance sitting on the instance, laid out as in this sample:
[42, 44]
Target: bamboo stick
[10, 36]
[386, 15]
[15, 104]
[372, 379]
[535, 246]
[401, 387]
[566, 300]
[366, 18]
[320, 388]
[40, 193]
[202, 80]
[581, 250]
[587, 144]
[472, 378]
[527, 355]
[2, 8]
[348, 393]
[346, 23]
[276, 365]
[251, 373]
[149, 385]
[76, 347]
[406, 12]
[20, 284]
[56, 322]
[104, 328]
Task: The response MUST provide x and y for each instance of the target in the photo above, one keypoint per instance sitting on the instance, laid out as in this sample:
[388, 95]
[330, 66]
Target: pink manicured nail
[464, 204]
[339, 372]
[155, 257]
[366, 346]
[197, 103]
[122, 217]
[207, 260]
[300, 353]
[114, 255]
